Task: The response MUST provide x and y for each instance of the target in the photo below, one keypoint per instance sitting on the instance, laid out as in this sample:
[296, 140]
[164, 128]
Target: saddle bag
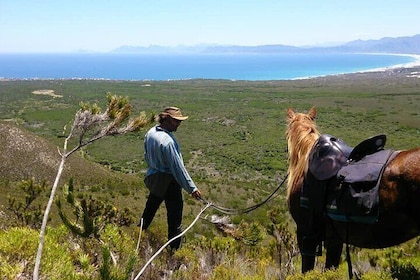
[356, 199]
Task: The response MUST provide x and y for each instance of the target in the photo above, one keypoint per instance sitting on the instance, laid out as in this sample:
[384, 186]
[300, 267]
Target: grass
[233, 143]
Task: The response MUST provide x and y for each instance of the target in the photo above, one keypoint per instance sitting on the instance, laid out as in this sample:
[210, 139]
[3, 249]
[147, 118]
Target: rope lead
[231, 211]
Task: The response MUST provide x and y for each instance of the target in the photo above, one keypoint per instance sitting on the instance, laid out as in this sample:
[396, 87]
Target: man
[166, 173]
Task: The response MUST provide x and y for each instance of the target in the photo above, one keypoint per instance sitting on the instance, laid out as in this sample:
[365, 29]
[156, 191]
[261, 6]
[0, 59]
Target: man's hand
[196, 194]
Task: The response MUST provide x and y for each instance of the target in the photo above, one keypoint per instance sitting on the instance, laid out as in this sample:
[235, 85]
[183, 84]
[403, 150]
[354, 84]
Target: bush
[17, 247]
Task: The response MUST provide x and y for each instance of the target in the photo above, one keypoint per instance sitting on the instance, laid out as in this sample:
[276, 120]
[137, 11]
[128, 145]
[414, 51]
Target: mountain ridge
[405, 44]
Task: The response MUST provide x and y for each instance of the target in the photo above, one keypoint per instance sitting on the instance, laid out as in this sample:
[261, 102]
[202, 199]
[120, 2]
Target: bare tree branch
[90, 125]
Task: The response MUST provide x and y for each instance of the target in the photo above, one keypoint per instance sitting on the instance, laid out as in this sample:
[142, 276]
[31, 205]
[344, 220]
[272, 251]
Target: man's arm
[178, 170]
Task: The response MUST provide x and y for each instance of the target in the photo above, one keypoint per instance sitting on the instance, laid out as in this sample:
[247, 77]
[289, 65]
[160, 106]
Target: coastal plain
[236, 128]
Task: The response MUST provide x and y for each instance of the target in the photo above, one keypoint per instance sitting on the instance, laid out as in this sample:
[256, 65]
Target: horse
[398, 210]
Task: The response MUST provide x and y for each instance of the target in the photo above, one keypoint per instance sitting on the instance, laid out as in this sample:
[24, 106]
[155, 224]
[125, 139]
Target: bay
[253, 67]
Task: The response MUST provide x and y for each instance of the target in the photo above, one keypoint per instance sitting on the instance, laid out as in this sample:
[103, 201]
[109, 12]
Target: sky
[103, 25]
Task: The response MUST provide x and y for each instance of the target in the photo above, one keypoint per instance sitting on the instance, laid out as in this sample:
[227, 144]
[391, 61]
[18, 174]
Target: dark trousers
[174, 206]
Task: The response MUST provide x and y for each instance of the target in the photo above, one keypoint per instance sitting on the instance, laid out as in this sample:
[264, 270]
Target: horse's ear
[312, 113]
[290, 113]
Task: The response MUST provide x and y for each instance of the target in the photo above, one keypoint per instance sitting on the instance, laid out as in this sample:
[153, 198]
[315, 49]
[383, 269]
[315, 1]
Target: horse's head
[301, 135]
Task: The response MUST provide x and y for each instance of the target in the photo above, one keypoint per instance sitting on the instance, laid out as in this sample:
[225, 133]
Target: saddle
[355, 171]
[343, 183]
[329, 154]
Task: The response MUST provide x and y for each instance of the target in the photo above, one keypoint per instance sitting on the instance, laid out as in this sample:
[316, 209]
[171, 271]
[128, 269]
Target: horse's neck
[298, 166]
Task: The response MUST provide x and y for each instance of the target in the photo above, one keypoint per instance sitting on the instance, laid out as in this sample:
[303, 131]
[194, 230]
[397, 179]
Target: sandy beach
[414, 64]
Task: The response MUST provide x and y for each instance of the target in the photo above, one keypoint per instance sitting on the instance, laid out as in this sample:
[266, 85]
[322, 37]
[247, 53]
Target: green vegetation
[234, 147]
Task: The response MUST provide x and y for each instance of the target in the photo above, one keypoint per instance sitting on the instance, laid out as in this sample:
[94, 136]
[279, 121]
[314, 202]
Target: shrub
[27, 211]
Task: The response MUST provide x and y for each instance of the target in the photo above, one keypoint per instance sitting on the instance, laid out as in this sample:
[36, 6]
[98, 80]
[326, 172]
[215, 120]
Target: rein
[229, 211]
[232, 211]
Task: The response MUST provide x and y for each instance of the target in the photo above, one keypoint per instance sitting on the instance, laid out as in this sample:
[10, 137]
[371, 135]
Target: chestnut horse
[399, 199]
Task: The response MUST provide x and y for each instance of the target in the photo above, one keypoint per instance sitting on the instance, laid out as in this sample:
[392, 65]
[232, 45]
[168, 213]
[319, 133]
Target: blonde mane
[301, 135]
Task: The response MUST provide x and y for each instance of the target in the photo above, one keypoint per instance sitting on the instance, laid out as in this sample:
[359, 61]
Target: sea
[163, 67]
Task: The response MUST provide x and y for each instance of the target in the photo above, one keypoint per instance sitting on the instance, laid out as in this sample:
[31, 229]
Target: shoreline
[414, 64]
[410, 65]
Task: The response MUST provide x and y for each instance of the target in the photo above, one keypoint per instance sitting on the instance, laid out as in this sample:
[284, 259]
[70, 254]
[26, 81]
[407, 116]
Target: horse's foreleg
[334, 248]
[308, 251]
[308, 242]
[308, 263]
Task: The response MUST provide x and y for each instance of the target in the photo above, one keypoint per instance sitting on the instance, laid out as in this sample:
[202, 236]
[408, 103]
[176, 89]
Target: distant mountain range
[406, 45]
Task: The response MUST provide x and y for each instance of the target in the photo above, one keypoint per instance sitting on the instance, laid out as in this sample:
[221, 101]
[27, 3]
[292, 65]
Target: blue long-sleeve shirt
[162, 154]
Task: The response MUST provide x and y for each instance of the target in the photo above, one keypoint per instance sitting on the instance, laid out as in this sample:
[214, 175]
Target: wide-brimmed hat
[174, 113]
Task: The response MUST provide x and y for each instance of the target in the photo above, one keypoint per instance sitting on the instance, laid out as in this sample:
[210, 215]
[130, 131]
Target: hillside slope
[24, 155]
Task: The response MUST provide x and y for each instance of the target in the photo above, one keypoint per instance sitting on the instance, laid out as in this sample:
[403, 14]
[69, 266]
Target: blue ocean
[253, 67]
